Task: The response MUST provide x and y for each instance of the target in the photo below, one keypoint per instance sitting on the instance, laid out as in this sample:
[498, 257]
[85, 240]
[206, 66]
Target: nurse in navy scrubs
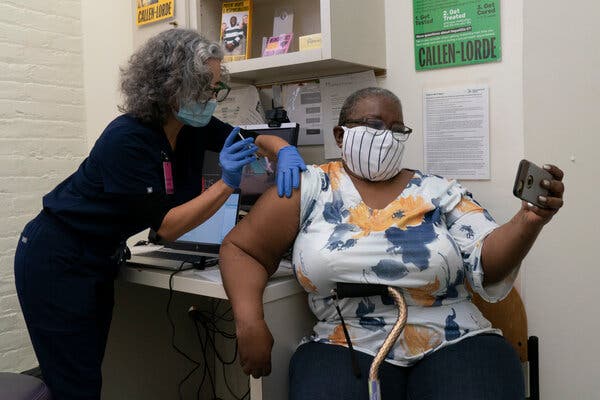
[144, 171]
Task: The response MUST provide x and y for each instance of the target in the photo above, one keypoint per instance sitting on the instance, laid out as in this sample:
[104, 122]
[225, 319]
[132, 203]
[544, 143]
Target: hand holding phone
[528, 183]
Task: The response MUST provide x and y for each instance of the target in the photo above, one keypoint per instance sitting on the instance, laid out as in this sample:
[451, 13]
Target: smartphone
[528, 183]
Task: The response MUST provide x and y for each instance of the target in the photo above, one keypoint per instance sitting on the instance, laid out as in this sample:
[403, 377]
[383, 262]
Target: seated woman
[366, 219]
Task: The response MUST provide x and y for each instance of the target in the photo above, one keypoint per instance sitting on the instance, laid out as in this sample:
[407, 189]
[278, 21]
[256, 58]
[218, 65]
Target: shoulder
[315, 186]
[320, 177]
[432, 179]
[126, 126]
[128, 155]
[332, 167]
[434, 184]
[126, 131]
[443, 192]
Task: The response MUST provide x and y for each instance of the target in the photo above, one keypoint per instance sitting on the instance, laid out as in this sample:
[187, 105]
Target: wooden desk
[140, 362]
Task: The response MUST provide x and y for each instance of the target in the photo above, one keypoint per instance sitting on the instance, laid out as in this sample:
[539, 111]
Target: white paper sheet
[303, 105]
[241, 107]
[334, 90]
[283, 21]
[456, 132]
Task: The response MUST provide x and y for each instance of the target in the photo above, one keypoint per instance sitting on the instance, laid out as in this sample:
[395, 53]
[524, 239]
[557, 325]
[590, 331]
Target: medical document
[456, 132]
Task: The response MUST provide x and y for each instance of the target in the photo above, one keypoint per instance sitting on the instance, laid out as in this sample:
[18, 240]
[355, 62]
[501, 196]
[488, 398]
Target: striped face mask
[372, 154]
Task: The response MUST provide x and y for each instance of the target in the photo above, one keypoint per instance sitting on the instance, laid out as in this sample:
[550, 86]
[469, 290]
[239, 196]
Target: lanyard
[167, 173]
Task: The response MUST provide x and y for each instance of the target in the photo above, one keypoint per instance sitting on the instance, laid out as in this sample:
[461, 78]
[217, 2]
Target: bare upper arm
[269, 229]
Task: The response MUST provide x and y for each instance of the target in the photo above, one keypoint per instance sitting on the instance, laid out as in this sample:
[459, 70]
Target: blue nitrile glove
[234, 156]
[289, 165]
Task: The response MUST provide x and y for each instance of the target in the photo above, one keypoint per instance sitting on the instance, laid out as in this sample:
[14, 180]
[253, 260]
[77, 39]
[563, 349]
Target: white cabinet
[352, 31]
[352, 36]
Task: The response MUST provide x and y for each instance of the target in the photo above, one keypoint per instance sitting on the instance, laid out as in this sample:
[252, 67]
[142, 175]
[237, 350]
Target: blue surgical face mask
[197, 114]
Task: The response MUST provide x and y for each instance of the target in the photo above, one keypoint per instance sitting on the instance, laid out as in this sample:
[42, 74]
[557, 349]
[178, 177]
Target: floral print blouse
[427, 243]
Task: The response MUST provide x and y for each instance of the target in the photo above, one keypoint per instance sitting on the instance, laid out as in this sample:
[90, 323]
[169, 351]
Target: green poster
[449, 33]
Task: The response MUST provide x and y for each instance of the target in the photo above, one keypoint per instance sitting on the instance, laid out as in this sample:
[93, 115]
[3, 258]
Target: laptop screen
[208, 236]
[258, 176]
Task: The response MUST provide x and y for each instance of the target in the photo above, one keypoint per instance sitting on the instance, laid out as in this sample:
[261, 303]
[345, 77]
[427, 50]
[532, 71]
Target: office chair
[15, 386]
[509, 316]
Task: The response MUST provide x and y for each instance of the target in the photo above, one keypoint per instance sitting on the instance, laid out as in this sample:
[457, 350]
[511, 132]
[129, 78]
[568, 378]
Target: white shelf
[352, 36]
[292, 67]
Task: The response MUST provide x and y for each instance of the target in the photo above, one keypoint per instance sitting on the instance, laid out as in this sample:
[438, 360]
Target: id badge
[168, 175]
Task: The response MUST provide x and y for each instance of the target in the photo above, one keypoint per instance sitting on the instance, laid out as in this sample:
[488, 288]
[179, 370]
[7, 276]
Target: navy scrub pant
[483, 367]
[66, 293]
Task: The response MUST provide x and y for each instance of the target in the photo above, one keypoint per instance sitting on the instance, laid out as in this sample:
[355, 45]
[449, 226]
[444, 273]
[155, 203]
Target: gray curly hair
[166, 71]
[354, 98]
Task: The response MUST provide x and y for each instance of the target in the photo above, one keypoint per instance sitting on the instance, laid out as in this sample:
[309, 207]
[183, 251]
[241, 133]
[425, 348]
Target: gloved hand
[289, 165]
[234, 156]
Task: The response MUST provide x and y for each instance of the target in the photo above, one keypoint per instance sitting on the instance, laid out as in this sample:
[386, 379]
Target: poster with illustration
[236, 32]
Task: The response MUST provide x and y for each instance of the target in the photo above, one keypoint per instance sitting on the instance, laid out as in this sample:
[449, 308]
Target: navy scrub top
[119, 189]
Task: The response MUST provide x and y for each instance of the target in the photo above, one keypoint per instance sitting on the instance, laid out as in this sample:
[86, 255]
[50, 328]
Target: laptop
[197, 248]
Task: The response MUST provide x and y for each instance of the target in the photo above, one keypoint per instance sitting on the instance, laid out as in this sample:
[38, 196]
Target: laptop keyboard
[191, 258]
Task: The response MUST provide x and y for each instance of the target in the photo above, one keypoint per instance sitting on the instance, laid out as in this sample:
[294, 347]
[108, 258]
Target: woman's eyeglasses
[220, 91]
[399, 131]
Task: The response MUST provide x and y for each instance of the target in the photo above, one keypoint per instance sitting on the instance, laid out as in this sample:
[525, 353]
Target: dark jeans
[66, 294]
[483, 367]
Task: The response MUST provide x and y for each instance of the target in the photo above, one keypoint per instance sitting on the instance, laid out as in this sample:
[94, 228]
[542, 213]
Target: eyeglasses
[220, 91]
[399, 131]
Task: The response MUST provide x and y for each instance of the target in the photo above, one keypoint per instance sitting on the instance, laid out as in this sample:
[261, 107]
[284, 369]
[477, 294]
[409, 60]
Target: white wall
[42, 135]
[506, 98]
[562, 95]
[45, 128]
[107, 44]
[543, 100]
